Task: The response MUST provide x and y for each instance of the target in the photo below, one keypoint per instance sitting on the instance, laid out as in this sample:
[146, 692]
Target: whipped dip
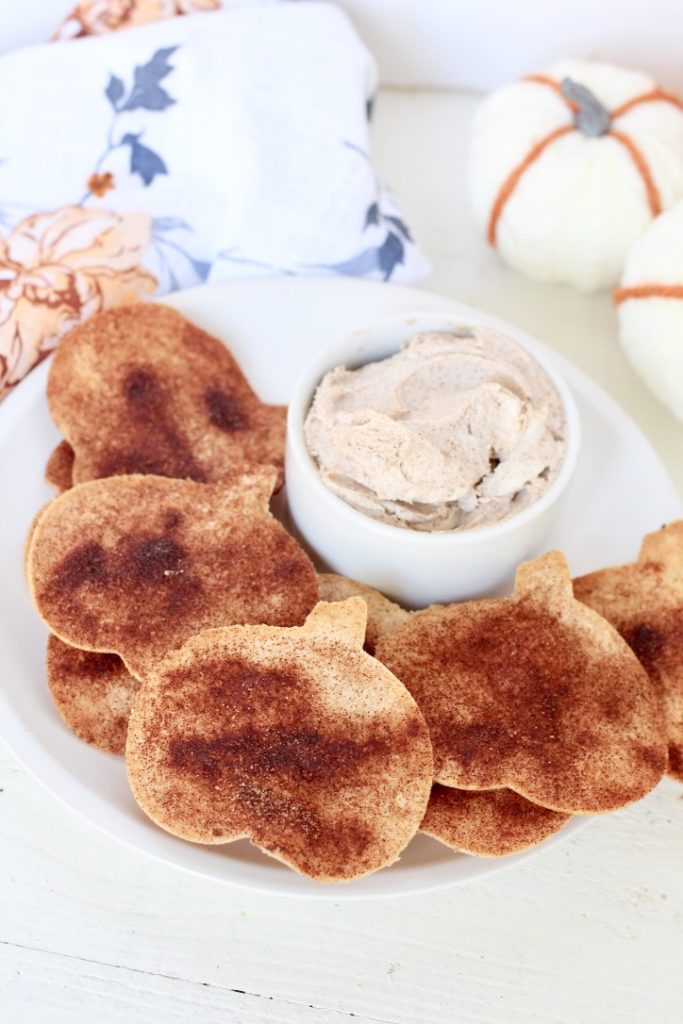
[456, 430]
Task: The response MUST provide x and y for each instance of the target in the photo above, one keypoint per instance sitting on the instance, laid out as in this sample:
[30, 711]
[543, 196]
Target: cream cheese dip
[456, 430]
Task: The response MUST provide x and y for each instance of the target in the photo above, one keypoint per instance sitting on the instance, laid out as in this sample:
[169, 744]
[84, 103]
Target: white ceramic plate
[621, 491]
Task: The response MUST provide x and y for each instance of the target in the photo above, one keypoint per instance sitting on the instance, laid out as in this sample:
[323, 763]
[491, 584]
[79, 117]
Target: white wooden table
[589, 932]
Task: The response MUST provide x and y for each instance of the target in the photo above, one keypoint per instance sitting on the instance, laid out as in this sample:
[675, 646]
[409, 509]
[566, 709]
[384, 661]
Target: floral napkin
[193, 149]
[25, 22]
[96, 17]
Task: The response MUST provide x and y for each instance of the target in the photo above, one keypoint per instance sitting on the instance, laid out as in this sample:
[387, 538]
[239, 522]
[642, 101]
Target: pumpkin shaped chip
[535, 693]
[644, 601]
[137, 564]
[59, 468]
[140, 389]
[384, 615]
[294, 738]
[28, 539]
[93, 693]
[492, 823]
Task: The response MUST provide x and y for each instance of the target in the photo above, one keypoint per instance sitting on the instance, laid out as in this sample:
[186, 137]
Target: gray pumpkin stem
[591, 118]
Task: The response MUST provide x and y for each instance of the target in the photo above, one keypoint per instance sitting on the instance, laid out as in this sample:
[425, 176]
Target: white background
[589, 932]
[471, 44]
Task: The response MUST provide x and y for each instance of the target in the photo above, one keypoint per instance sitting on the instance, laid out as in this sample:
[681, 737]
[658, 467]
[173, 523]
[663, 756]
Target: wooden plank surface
[51, 987]
[590, 931]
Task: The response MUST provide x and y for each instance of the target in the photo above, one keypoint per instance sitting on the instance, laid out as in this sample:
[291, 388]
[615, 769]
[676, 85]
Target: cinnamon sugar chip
[137, 564]
[59, 468]
[295, 738]
[491, 823]
[644, 601]
[534, 693]
[28, 539]
[94, 694]
[140, 389]
[383, 615]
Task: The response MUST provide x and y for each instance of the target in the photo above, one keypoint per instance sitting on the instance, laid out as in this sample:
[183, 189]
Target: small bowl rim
[333, 355]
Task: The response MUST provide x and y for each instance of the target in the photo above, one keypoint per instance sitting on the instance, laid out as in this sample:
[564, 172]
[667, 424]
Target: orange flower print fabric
[57, 268]
[95, 17]
[61, 266]
[100, 184]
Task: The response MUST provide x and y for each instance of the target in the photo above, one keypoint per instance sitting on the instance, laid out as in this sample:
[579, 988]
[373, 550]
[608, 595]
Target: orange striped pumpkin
[649, 302]
[568, 167]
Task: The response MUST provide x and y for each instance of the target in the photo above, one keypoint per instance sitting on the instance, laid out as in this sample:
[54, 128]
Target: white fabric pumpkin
[597, 180]
[650, 305]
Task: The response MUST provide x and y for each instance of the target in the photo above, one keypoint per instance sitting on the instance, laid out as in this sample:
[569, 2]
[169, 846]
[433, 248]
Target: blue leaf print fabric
[147, 93]
[190, 150]
[143, 161]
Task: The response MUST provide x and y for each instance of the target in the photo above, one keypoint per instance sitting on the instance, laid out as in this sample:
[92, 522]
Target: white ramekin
[415, 568]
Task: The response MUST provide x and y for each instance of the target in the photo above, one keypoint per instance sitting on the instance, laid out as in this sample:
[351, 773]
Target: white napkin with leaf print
[198, 148]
